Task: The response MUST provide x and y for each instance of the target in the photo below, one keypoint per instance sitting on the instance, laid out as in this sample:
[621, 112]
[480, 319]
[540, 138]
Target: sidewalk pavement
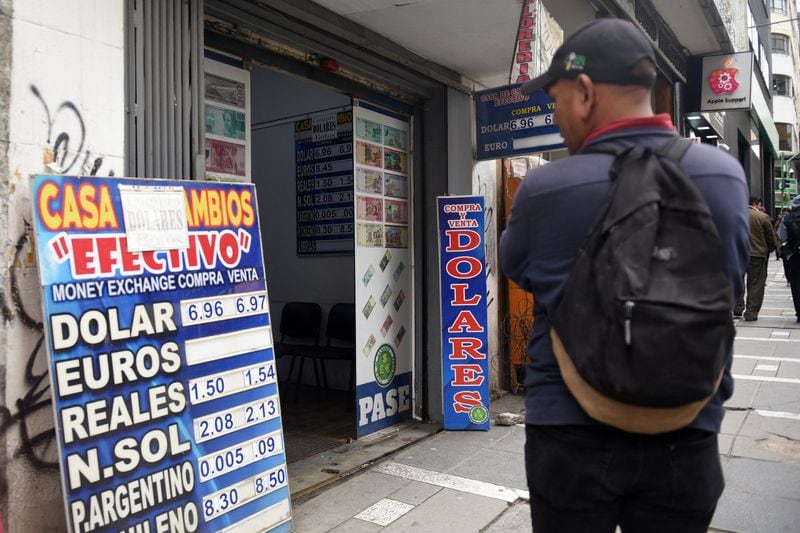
[475, 481]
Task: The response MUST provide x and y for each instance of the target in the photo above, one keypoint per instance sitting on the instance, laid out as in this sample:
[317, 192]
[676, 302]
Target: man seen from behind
[585, 476]
[762, 241]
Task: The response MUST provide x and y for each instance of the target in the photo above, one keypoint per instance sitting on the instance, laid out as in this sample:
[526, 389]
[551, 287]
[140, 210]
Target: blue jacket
[552, 212]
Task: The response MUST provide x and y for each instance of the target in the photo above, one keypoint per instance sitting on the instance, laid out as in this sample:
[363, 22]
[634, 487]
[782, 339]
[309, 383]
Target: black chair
[299, 335]
[341, 338]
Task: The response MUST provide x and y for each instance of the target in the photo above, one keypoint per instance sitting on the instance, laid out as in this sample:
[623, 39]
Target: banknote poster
[396, 237]
[370, 235]
[225, 91]
[368, 130]
[395, 161]
[396, 212]
[369, 154]
[369, 181]
[370, 208]
[395, 138]
[396, 186]
[228, 123]
[225, 158]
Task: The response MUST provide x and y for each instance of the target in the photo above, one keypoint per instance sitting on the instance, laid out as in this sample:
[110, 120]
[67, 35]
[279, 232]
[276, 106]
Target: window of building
[779, 6]
[780, 43]
[784, 136]
[782, 85]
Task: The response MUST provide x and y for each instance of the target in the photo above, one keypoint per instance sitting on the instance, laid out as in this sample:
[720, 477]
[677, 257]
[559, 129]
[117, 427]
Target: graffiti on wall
[30, 413]
[486, 183]
[26, 420]
[66, 138]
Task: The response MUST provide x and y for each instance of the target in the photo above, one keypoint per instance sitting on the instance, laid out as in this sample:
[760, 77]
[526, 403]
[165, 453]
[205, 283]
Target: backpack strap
[675, 148]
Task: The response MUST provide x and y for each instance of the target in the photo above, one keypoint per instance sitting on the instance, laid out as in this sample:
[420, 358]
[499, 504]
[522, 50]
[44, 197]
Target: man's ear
[586, 94]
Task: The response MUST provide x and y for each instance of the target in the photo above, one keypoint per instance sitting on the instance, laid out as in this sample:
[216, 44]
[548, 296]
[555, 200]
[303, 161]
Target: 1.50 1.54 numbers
[206, 388]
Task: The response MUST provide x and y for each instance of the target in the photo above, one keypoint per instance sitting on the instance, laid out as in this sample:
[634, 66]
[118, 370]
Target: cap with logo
[606, 50]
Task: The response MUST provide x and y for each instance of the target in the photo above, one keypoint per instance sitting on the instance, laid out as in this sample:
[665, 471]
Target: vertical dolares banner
[160, 353]
[465, 365]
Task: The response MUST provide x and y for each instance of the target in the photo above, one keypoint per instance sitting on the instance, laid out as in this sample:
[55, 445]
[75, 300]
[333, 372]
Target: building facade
[785, 48]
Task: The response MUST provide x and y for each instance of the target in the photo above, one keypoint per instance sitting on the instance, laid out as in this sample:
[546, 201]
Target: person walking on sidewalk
[762, 242]
[789, 233]
[585, 476]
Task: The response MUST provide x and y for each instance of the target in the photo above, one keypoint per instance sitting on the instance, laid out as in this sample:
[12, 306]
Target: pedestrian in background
[585, 476]
[789, 233]
[778, 255]
[762, 242]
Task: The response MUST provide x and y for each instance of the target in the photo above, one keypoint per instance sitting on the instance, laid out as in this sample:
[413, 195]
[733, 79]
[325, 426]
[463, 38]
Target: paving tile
[750, 347]
[415, 492]
[764, 478]
[725, 443]
[789, 369]
[743, 366]
[353, 525]
[501, 468]
[752, 426]
[337, 505]
[749, 448]
[384, 512]
[787, 349]
[747, 331]
[733, 421]
[450, 510]
[743, 394]
[766, 368]
[774, 425]
[743, 511]
[513, 441]
[773, 396]
[516, 518]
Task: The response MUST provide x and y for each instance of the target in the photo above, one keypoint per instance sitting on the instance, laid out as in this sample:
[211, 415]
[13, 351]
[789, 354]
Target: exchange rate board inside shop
[161, 358]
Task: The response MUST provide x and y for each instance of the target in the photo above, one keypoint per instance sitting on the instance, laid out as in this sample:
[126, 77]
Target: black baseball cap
[606, 50]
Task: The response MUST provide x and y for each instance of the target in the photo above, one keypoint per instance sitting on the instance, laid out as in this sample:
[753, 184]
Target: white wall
[485, 183]
[782, 64]
[67, 82]
[322, 279]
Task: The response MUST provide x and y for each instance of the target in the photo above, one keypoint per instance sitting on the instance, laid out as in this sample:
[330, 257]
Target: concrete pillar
[62, 110]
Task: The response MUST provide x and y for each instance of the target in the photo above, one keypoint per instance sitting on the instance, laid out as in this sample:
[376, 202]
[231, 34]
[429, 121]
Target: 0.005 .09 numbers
[222, 462]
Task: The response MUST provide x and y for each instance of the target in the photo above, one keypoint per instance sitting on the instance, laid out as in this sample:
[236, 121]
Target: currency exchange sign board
[509, 123]
[465, 365]
[161, 360]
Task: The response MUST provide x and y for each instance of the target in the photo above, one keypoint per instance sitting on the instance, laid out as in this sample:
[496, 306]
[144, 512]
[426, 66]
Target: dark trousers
[756, 281]
[792, 270]
[589, 479]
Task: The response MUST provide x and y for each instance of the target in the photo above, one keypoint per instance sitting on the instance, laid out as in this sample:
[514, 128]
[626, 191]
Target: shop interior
[317, 399]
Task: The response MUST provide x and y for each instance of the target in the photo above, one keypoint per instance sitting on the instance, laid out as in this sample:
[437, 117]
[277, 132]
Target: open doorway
[317, 395]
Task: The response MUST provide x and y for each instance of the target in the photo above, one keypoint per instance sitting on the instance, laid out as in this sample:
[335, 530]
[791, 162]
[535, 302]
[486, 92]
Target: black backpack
[644, 329]
[793, 229]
